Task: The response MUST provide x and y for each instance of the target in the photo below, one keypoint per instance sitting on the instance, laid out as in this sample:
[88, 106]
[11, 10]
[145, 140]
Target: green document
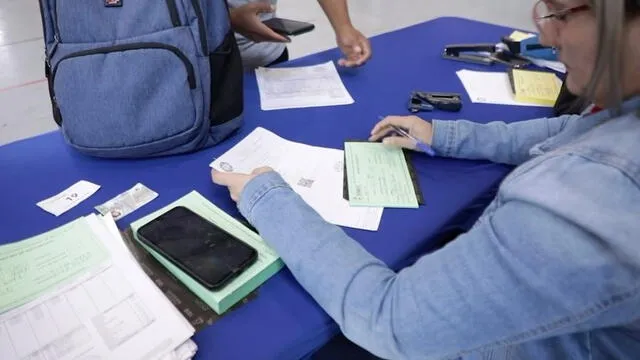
[31, 267]
[378, 175]
[267, 264]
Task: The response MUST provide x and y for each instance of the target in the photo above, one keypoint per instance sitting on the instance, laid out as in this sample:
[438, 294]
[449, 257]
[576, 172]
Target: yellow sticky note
[519, 35]
[535, 87]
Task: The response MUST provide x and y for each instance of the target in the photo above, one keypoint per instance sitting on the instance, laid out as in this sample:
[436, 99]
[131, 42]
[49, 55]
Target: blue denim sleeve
[496, 141]
[524, 272]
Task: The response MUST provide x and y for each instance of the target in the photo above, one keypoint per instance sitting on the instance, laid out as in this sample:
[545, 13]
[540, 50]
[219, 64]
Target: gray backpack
[141, 78]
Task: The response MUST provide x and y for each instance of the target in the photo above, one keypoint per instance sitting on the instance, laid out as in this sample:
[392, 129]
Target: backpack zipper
[201, 26]
[135, 46]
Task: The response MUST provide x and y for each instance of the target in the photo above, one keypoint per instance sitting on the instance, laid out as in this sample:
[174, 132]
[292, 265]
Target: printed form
[301, 87]
[315, 173]
[489, 87]
[112, 311]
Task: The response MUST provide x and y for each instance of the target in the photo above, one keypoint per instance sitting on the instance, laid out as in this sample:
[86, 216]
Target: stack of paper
[315, 173]
[76, 292]
[490, 88]
[301, 87]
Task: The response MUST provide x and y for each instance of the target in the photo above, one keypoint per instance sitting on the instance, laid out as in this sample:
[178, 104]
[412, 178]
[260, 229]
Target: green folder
[267, 264]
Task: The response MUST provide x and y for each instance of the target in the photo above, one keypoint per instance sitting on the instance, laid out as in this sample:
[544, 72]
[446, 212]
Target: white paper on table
[68, 198]
[549, 64]
[185, 351]
[301, 87]
[111, 312]
[315, 173]
[489, 88]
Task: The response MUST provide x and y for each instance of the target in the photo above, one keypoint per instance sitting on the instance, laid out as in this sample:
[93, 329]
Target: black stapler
[484, 54]
[428, 101]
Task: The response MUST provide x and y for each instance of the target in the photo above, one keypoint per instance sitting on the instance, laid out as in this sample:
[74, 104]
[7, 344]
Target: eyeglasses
[542, 13]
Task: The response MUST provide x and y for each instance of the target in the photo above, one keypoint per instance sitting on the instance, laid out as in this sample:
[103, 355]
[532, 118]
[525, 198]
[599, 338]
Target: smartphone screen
[206, 252]
[288, 27]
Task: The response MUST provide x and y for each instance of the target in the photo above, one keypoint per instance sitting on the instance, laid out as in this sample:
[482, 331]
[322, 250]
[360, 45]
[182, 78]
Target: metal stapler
[485, 54]
[427, 101]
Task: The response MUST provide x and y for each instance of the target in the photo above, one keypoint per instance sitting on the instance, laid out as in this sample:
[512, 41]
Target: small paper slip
[315, 173]
[127, 202]
[301, 87]
[535, 87]
[67, 199]
[519, 35]
[490, 88]
[378, 175]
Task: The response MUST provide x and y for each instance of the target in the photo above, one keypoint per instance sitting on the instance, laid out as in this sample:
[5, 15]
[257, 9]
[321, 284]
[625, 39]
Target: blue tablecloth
[284, 322]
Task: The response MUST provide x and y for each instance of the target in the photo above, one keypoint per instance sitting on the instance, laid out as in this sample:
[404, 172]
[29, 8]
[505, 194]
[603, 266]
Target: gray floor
[24, 106]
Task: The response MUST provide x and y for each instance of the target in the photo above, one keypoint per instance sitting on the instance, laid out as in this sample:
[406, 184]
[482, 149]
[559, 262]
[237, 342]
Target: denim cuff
[444, 137]
[255, 190]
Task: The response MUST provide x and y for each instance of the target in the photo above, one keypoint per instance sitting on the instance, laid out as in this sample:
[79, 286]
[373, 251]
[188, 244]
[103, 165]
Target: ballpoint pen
[419, 144]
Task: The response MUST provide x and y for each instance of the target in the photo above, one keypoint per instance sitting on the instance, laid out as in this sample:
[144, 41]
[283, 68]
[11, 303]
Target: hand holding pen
[410, 132]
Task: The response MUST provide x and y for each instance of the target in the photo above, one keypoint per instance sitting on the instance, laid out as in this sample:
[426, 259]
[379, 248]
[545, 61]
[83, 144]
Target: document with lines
[110, 311]
[301, 87]
[315, 173]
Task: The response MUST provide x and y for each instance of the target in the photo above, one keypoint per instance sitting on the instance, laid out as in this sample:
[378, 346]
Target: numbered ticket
[67, 199]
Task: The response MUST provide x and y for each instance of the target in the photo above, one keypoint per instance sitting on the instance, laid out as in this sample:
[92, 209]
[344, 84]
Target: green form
[31, 267]
[268, 262]
[378, 175]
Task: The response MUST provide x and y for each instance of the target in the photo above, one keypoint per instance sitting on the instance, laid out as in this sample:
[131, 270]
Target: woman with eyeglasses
[551, 270]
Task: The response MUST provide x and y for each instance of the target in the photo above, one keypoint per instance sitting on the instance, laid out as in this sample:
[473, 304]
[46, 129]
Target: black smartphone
[209, 254]
[288, 27]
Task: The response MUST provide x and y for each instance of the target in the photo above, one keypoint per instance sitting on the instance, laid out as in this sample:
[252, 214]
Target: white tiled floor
[24, 106]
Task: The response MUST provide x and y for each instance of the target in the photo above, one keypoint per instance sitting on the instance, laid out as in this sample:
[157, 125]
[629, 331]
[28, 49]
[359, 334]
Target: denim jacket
[551, 270]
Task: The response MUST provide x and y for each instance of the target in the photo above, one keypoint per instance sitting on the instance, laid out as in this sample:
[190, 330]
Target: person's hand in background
[246, 21]
[355, 47]
[414, 125]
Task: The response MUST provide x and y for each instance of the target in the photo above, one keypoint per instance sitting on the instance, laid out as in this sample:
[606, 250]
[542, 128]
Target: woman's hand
[236, 182]
[414, 125]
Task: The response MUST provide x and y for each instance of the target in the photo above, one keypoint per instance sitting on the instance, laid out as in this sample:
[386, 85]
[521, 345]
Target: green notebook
[267, 264]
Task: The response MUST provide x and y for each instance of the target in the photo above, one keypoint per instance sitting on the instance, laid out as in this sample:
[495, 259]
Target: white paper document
[301, 87]
[185, 351]
[113, 311]
[489, 87]
[315, 173]
[67, 199]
